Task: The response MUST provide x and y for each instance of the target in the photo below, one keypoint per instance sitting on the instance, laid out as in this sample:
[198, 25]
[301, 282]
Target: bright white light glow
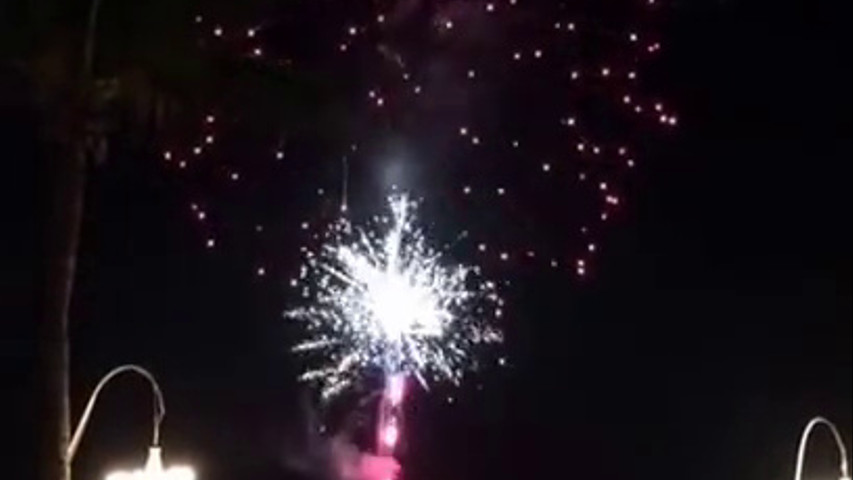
[391, 435]
[154, 470]
[383, 299]
[396, 389]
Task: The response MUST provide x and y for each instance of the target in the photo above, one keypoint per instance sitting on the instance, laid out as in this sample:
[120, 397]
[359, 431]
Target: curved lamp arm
[801, 452]
[159, 406]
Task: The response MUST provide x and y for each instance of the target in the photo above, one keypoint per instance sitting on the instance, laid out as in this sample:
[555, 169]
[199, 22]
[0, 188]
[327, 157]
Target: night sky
[717, 322]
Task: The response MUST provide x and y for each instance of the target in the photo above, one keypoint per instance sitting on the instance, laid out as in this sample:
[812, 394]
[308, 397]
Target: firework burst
[381, 297]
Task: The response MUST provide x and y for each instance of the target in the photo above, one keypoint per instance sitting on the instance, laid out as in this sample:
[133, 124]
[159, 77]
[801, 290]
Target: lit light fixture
[154, 469]
[839, 442]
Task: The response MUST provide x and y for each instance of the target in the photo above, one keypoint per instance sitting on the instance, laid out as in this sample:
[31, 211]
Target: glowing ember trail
[381, 298]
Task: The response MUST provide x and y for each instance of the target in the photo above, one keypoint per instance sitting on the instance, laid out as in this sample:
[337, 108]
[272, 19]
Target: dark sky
[719, 322]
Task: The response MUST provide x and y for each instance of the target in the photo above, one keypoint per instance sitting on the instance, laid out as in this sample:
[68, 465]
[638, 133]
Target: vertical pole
[65, 218]
[64, 221]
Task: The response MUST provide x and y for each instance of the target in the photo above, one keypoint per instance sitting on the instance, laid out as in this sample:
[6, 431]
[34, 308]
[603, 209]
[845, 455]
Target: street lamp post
[839, 442]
[153, 469]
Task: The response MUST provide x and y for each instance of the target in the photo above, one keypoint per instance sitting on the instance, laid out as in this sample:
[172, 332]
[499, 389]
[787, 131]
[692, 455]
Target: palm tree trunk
[62, 241]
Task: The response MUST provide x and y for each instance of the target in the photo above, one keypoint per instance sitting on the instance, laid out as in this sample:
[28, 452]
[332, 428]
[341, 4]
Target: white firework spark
[383, 298]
